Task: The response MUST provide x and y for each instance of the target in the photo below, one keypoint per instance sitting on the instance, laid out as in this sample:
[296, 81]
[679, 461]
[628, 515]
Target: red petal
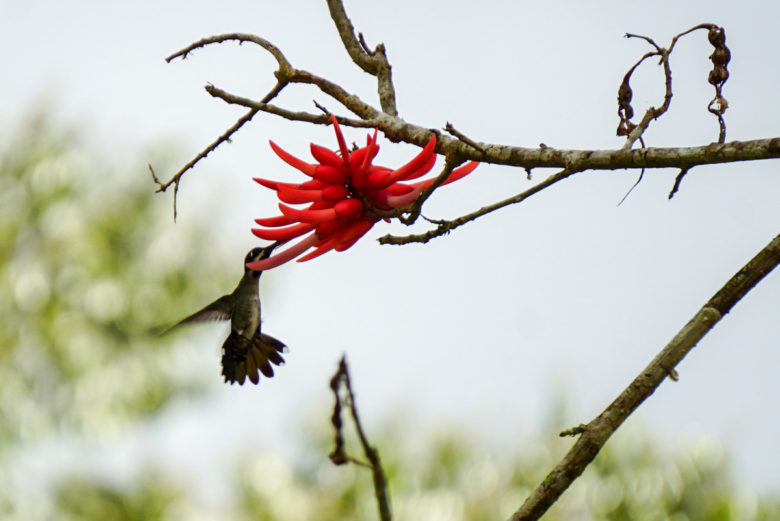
[340, 138]
[309, 215]
[330, 174]
[456, 174]
[293, 161]
[328, 228]
[418, 162]
[285, 255]
[373, 150]
[356, 158]
[379, 199]
[320, 205]
[346, 246]
[326, 157]
[272, 222]
[296, 196]
[398, 189]
[266, 183]
[423, 170]
[342, 241]
[335, 192]
[323, 248]
[313, 184]
[348, 207]
[351, 235]
[282, 234]
[461, 172]
[399, 201]
[377, 180]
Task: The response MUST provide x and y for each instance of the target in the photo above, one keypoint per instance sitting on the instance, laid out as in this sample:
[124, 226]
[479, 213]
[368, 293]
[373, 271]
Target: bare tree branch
[459, 148]
[339, 455]
[445, 227]
[284, 65]
[373, 62]
[595, 434]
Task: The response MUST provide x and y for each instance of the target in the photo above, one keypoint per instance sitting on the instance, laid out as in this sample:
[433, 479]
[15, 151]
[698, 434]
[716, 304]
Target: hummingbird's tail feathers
[271, 348]
[242, 359]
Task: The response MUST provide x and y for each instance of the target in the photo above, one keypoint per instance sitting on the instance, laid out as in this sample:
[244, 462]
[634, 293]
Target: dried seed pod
[721, 56]
[717, 36]
[718, 76]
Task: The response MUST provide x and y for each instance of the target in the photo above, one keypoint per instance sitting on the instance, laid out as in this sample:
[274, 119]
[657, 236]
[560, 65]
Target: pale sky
[566, 294]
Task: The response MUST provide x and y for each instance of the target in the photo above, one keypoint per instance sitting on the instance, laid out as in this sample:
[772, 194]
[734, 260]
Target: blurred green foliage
[81, 500]
[448, 478]
[91, 263]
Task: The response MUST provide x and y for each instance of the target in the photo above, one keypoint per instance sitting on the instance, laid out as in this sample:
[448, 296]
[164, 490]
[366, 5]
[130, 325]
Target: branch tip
[341, 386]
[574, 431]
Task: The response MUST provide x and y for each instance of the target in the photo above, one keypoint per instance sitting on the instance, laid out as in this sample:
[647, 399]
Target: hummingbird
[246, 349]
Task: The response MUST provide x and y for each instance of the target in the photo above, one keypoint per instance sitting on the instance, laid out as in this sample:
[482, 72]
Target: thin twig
[445, 227]
[636, 183]
[306, 117]
[284, 65]
[339, 455]
[225, 136]
[455, 132]
[597, 432]
[678, 180]
[416, 207]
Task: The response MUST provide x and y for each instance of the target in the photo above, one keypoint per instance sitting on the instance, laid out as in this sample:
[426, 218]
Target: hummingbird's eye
[253, 255]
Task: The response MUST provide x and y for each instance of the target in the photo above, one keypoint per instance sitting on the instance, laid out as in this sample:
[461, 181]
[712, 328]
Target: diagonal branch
[595, 434]
[416, 207]
[445, 227]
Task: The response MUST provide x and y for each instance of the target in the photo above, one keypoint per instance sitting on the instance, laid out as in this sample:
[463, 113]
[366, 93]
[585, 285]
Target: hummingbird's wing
[242, 358]
[220, 309]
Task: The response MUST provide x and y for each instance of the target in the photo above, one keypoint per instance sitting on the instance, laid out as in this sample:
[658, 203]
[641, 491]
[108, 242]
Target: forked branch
[341, 386]
[457, 147]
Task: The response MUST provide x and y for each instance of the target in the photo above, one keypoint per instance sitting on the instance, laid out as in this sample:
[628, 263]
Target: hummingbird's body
[246, 349]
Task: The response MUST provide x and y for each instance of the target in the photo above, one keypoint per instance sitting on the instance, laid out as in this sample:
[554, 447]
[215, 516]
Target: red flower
[347, 196]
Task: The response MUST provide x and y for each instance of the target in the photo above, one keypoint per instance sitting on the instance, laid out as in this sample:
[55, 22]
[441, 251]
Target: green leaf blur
[90, 266]
[450, 478]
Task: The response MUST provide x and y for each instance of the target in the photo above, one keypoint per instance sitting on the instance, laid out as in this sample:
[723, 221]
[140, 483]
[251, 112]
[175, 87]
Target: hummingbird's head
[256, 254]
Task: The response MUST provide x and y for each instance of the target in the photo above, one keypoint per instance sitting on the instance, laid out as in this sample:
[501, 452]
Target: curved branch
[240, 38]
[595, 434]
[373, 62]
